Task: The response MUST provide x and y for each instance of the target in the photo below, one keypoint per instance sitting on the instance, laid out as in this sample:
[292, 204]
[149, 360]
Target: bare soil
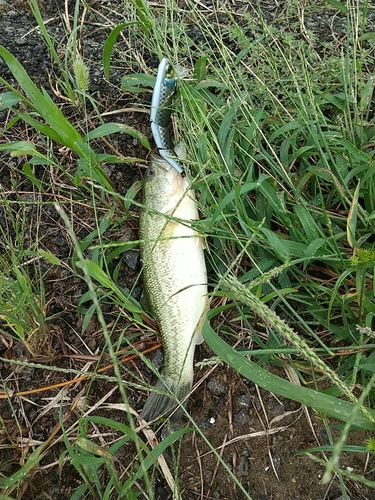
[256, 433]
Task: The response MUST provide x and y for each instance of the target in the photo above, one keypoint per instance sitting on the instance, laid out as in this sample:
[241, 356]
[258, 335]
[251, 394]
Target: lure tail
[164, 400]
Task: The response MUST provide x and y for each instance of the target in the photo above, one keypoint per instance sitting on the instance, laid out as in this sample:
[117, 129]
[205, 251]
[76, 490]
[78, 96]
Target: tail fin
[164, 401]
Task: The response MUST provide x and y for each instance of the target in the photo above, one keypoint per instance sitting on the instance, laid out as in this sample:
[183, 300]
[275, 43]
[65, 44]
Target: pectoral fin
[198, 331]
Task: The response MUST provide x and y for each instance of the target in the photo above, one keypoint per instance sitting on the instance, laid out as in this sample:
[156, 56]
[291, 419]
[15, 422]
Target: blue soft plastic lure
[160, 115]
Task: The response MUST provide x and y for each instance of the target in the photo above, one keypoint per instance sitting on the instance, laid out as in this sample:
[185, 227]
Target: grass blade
[352, 219]
[111, 128]
[109, 43]
[329, 405]
[42, 103]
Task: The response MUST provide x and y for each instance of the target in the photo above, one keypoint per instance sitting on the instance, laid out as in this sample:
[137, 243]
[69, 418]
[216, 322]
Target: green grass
[279, 130]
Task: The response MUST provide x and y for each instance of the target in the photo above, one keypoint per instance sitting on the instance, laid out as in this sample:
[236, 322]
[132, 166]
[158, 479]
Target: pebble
[242, 468]
[209, 420]
[276, 462]
[242, 417]
[131, 259]
[244, 400]
[108, 169]
[274, 408]
[157, 359]
[59, 241]
[207, 475]
[22, 41]
[217, 387]
[137, 292]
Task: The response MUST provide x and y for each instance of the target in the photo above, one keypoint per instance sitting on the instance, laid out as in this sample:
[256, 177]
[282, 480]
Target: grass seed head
[81, 74]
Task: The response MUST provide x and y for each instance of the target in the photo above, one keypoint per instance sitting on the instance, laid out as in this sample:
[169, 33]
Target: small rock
[207, 475]
[131, 259]
[157, 359]
[242, 417]
[276, 462]
[204, 425]
[22, 41]
[209, 420]
[137, 292]
[108, 169]
[59, 241]
[274, 409]
[244, 400]
[217, 387]
[242, 468]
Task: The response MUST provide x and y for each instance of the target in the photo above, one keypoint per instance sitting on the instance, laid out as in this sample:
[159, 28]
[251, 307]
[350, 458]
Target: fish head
[164, 187]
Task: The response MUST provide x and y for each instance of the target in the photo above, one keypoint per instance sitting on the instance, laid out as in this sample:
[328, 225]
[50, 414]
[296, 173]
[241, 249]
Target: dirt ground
[256, 433]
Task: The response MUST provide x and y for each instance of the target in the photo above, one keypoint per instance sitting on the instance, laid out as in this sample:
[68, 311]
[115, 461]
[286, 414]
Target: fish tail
[164, 400]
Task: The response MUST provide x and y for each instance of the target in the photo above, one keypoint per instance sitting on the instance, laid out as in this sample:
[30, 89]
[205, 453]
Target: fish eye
[150, 174]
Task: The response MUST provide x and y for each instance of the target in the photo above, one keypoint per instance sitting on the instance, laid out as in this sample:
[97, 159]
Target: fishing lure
[160, 115]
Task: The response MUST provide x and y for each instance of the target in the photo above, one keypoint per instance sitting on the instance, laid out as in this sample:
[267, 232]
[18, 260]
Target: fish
[175, 282]
[160, 114]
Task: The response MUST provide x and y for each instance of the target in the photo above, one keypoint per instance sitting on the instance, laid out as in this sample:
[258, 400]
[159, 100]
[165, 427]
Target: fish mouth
[161, 163]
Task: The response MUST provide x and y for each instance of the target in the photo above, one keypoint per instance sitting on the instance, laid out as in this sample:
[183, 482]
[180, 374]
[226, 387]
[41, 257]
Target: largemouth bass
[175, 281]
